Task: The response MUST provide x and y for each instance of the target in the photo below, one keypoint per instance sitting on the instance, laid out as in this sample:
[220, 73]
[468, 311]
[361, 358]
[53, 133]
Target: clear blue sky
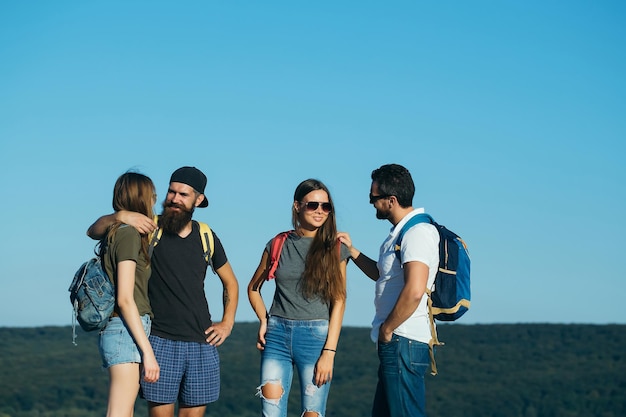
[510, 115]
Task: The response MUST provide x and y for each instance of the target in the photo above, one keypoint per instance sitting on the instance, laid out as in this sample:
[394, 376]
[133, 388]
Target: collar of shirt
[396, 229]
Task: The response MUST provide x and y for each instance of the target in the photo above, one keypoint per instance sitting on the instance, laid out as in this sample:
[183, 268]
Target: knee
[311, 414]
[272, 391]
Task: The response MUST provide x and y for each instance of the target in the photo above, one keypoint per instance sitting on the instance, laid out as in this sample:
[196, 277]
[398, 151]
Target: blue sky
[510, 116]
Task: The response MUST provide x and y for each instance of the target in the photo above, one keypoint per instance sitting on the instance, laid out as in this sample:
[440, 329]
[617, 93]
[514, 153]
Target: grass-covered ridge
[513, 370]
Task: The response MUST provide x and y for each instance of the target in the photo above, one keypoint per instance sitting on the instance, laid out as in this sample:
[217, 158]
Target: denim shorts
[116, 345]
[190, 373]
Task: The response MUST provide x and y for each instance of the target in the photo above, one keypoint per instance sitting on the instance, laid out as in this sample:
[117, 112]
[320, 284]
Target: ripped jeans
[289, 343]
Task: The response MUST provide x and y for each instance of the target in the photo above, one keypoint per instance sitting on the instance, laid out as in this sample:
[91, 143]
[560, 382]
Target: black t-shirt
[176, 288]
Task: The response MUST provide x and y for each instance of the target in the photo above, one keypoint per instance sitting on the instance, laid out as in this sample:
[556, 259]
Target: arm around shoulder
[99, 228]
[143, 224]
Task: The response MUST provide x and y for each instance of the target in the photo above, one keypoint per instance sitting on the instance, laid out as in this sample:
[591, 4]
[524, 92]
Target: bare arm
[326, 361]
[129, 312]
[143, 224]
[415, 279]
[365, 264]
[256, 301]
[219, 332]
[99, 229]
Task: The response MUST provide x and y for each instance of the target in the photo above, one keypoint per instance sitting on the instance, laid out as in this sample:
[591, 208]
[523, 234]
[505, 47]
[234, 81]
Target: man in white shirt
[401, 326]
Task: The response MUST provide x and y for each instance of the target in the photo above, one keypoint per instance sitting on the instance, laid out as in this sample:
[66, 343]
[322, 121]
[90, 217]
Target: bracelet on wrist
[330, 350]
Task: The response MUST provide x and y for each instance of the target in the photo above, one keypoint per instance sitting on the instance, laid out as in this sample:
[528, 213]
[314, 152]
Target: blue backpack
[449, 298]
[92, 296]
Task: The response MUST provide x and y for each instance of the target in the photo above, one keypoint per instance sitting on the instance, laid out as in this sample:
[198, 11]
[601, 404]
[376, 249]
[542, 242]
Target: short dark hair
[396, 180]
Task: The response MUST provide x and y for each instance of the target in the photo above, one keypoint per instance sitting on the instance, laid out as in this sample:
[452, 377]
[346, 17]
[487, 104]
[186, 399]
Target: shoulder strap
[206, 236]
[154, 236]
[276, 248]
[418, 218]
[208, 243]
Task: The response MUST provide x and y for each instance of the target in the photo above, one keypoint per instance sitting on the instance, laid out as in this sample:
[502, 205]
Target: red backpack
[275, 250]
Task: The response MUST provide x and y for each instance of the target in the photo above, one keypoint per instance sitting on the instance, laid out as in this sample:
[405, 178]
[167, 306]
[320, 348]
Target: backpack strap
[154, 238]
[434, 339]
[418, 218]
[206, 236]
[276, 247]
[208, 243]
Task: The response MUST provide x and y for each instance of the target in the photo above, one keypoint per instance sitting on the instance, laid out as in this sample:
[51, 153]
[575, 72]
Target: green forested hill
[517, 370]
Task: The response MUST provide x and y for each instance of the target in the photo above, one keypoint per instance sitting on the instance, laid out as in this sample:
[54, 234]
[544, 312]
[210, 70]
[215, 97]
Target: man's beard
[382, 215]
[174, 221]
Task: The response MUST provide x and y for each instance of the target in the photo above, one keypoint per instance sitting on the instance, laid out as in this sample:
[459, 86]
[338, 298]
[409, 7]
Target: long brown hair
[133, 192]
[322, 274]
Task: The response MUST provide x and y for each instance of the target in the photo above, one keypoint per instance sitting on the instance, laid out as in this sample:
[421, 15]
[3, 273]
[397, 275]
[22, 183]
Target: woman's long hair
[133, 192]
[322, 274]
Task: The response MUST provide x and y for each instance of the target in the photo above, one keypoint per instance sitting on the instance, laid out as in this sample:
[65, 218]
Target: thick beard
[174, 221]
[382, 215]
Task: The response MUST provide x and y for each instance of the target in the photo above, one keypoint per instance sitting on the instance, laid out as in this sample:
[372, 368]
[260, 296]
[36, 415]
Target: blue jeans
[400, 391]
[289, 343]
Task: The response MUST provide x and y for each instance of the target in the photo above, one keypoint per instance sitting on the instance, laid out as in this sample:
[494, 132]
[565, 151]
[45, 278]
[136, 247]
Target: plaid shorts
[190, 373]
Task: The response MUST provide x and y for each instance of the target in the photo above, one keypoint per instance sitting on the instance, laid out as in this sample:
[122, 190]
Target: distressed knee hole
[310, 389]
[311, 414]
[271, 392]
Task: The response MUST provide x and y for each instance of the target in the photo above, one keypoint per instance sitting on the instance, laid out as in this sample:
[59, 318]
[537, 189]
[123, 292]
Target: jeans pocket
[419, 357]
[319, 332]
[394, 341]
[272, 323]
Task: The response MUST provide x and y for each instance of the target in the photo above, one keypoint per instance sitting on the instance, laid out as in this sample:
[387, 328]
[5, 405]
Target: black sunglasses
[375, 198]
[313, 205]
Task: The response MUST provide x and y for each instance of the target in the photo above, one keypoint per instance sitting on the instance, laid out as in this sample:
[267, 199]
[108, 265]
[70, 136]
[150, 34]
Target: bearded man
[183, 336]
[401, 327]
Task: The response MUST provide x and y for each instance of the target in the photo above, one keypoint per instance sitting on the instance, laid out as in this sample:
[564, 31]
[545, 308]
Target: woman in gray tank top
[303, 324]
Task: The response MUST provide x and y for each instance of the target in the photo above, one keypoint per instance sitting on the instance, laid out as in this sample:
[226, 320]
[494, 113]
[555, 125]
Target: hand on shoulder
[142, 223]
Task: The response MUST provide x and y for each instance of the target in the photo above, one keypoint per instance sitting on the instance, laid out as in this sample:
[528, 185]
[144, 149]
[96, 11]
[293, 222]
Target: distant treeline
[516, 370]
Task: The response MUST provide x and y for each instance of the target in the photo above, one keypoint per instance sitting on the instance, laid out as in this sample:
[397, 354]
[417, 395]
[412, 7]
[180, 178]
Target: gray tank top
[288, 300]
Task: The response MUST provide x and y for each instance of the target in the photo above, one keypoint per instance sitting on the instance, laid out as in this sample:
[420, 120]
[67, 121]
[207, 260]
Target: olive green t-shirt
[125, 246]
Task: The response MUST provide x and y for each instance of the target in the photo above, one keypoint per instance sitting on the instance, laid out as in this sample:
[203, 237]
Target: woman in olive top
[123, 342]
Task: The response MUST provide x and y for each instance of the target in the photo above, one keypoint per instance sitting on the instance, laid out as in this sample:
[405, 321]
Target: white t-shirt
[420, 243]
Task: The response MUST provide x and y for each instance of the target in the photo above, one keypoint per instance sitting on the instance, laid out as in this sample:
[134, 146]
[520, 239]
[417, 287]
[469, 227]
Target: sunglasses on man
[375, 198]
